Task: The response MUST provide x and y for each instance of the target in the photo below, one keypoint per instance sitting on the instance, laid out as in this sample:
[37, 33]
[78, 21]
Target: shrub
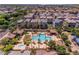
[7, 48]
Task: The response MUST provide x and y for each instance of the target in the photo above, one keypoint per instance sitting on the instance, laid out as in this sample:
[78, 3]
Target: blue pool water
[41, 37]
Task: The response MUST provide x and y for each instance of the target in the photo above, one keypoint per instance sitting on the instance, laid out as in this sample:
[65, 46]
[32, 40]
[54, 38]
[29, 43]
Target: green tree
[59, 29]
[14, 41]
[2, 21]
[51, 44]
[7, 48]
[67, 42]
[63, 36]
[61, 50]
[77, 33]
[5, 41]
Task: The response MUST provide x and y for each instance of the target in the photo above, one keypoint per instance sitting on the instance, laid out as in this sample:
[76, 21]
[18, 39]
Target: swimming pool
[41, 37]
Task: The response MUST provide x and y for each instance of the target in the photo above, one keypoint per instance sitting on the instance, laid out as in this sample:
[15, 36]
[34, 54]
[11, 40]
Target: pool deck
[34, 43]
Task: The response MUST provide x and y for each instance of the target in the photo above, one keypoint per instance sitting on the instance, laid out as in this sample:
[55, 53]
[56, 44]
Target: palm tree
[27, 40]
[51, 44]
[67, 42]
[61, 50]
[59, 29]
[63, 36]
